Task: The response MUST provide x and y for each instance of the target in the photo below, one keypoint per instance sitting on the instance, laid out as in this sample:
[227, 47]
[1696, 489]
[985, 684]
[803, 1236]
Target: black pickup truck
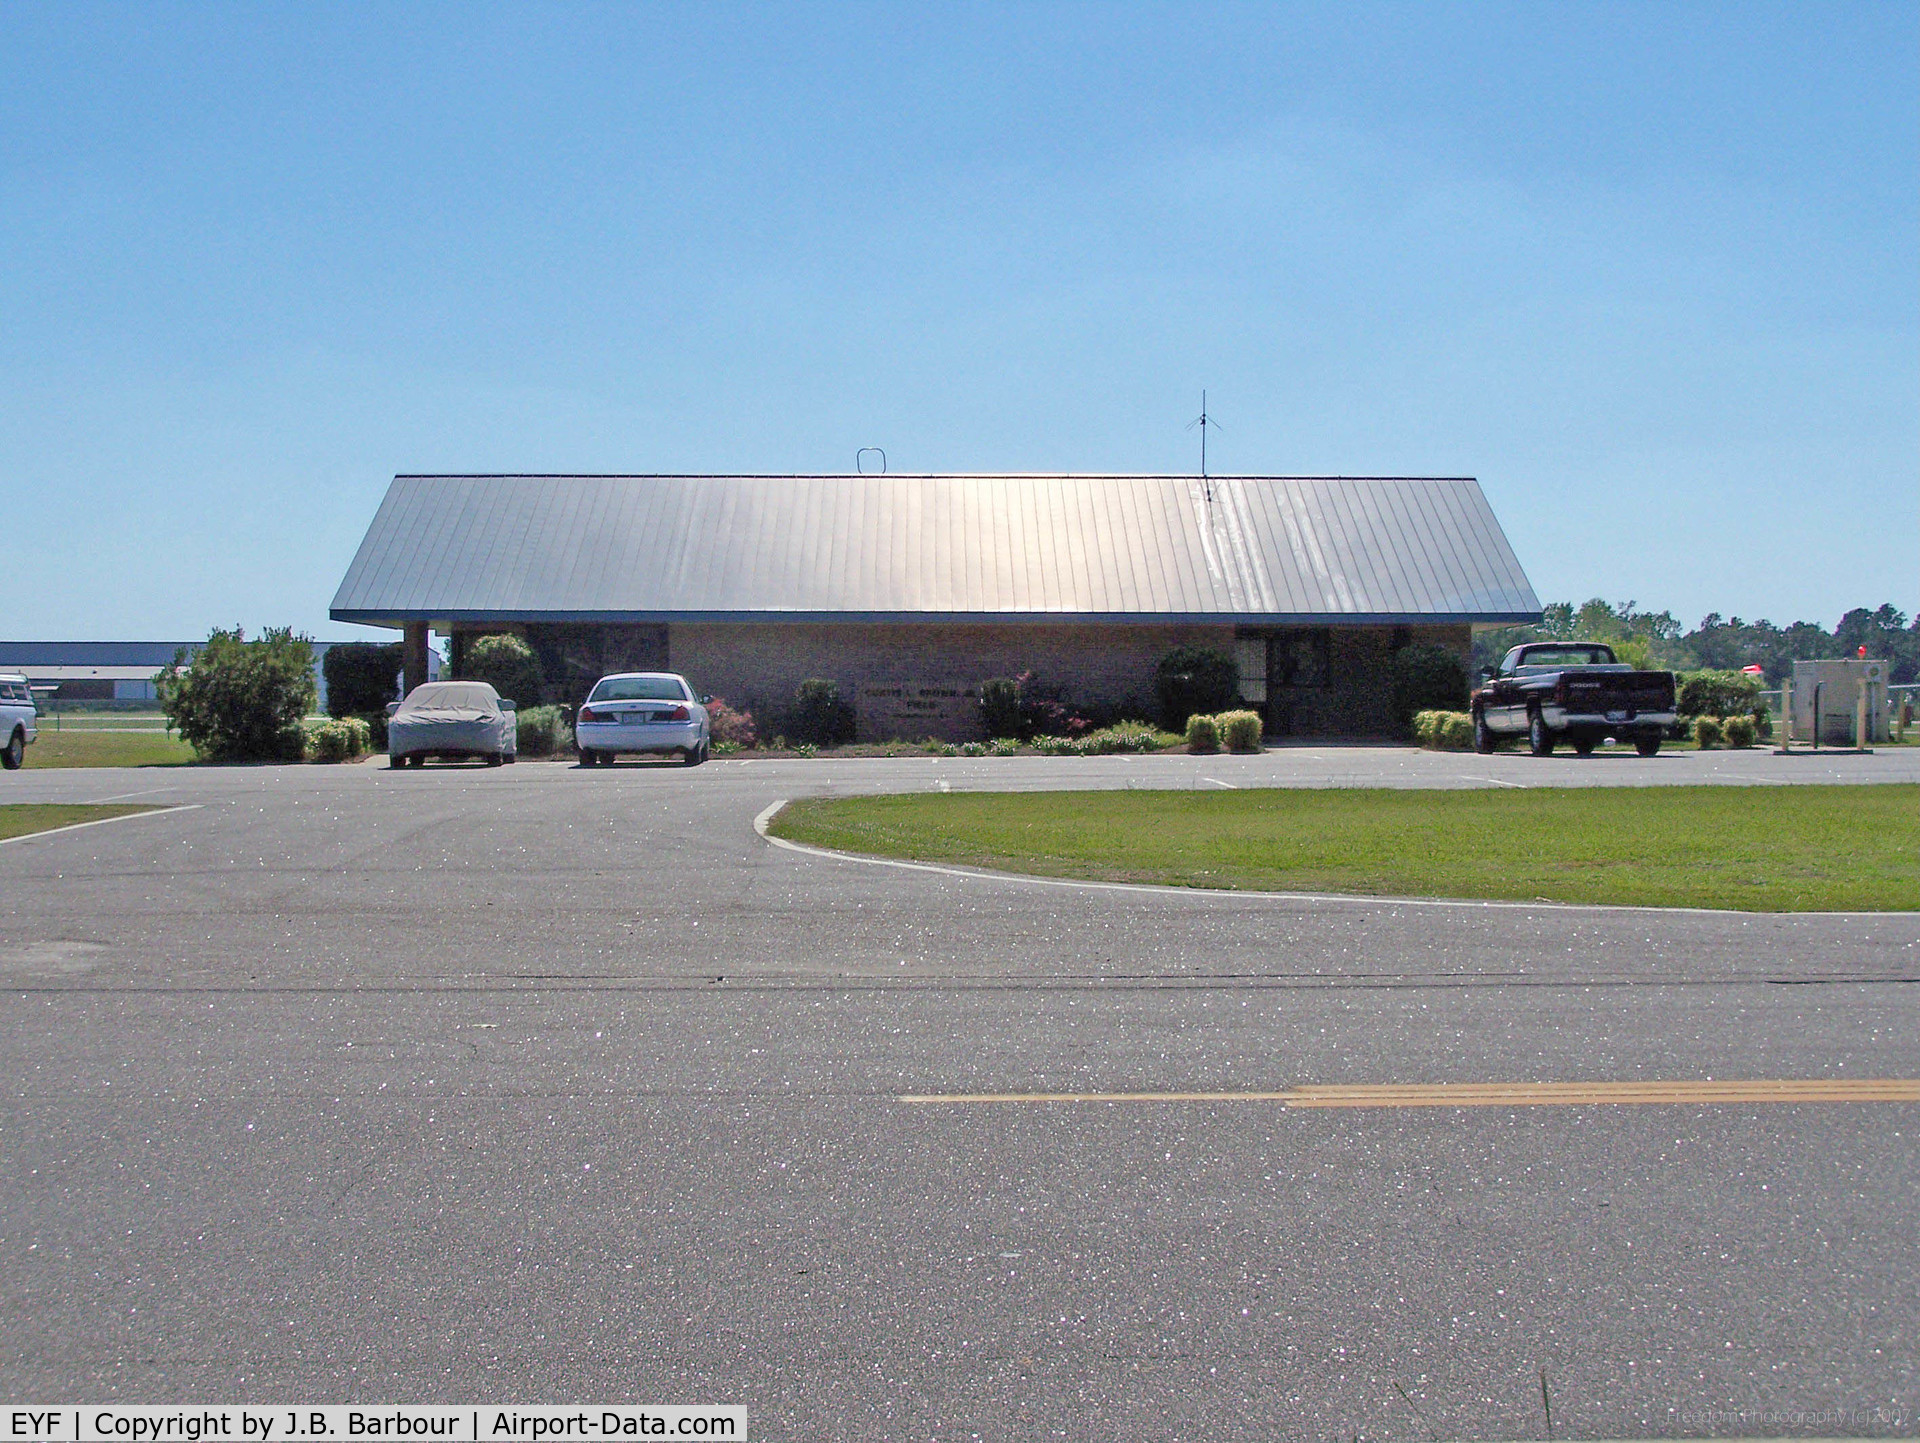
[1574, 691]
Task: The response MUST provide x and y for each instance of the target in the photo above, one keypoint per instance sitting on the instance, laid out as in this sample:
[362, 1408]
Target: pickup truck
[16, 720]
[1575, 691]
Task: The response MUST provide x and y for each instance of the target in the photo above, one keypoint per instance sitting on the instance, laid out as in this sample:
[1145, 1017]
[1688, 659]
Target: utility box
[1835, 687]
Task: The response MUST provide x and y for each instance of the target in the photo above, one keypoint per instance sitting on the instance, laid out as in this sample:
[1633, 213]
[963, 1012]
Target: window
[641, 688]
[1250, 653]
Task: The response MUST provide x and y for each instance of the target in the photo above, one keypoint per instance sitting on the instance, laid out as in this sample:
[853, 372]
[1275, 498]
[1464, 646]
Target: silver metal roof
[1280, 549]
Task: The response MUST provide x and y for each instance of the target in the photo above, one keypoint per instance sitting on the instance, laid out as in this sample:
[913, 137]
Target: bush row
[1237, 731]
[1443, 731]
[1734, 731]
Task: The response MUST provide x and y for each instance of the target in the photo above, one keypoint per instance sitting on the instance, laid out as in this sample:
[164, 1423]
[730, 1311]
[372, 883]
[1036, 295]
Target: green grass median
[20, 819]
[107, 749]
[1754, 849]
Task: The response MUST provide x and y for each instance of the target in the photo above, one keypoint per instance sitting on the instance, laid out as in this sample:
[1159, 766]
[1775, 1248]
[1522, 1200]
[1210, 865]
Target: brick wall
[936, 669]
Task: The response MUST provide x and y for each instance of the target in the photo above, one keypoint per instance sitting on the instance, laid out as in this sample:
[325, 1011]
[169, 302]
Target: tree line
[1656, 639]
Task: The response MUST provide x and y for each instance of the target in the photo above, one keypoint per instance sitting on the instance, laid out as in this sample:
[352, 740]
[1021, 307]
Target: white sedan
[641, 711]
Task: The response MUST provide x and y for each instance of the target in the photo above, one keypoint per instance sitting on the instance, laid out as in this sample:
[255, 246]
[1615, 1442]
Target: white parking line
[1218, 783]
[126, 796]
[1517, 786]
[103, 822]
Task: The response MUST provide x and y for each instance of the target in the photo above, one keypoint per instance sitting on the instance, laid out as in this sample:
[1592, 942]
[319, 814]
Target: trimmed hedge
[1426, 677]
[1239, 730]
[1444, 731]
[1707, 732]
[1715, 693]
[362, 676]
[338, 740]
[1740, 731]
[1203, 733]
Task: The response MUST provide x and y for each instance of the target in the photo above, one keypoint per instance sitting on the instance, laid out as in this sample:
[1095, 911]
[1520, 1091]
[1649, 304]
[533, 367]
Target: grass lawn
[17, 819]
[107, 749]
[1755, 849]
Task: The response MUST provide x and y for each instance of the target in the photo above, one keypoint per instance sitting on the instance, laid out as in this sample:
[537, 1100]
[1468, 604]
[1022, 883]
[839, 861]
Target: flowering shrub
[973, 749]
[730, 729]
[1003, 746]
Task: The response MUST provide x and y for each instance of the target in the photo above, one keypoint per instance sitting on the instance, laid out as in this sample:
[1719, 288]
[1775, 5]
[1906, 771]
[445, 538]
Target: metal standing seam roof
[1274, 549]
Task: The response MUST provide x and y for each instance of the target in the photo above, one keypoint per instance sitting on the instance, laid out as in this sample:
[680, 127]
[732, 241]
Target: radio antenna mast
[1203, 421]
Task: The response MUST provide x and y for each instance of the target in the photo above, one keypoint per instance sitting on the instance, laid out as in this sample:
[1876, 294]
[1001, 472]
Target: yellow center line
[1496, 1094]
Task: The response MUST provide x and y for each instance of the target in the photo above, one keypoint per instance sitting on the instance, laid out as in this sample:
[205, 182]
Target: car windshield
[1567, 656]
[640, 688]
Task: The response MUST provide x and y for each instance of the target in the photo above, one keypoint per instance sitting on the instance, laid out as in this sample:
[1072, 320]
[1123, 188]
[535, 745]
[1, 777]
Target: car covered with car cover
[1574, 691]
[645, 712]
[452, 720]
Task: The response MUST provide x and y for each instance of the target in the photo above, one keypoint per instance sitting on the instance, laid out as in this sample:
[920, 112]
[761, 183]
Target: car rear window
[639, 688]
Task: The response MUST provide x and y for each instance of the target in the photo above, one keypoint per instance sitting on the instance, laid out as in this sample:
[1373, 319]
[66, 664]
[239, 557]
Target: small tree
[507, 664]
[362, 676]
[241, 701]
[1193, 679]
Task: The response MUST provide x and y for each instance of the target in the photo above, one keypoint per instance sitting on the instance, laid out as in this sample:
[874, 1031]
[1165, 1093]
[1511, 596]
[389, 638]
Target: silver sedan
[642, 711]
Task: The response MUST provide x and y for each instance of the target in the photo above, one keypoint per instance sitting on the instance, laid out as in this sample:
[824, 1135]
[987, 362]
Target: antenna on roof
[857, 455]
[1203, 420]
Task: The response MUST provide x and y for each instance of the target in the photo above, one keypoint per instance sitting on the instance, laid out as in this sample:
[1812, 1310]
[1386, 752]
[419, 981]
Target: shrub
[340, 739]
[1707, 732]
[542, 731]
[940, 748]
[1003, 746]
[507, 664]
[1000, 706]
[1240, 730]
[820, 717]
[376, 729]
[239, 700]
[1193, 679]
[1763, 723]
[808, 750]
[973, 749]
[362, 677]
[733, 730]
[1715, 693]
[1444, 731]
[1740, 731]
[1426, 678]
[1203, 733]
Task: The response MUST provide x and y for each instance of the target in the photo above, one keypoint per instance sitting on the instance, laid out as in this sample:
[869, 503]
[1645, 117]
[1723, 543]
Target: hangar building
[910, 590]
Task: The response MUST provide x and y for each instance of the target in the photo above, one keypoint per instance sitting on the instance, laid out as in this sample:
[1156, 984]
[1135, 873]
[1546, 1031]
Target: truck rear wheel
[15, 751]
[1583, 746]
[1647, 746]
[1540, 737]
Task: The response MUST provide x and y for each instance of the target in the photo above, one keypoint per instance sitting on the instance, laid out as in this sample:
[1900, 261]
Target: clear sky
[1651, 272]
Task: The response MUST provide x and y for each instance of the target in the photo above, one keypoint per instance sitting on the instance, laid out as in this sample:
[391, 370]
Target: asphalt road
[551, 1085]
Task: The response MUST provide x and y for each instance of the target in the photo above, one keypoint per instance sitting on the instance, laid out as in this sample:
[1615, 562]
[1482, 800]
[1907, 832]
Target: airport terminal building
[910, 590]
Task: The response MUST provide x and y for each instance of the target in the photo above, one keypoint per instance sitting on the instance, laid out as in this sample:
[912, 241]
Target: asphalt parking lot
[544, 1084]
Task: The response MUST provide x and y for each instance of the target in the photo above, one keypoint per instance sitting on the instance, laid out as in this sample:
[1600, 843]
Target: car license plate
[1616, 716]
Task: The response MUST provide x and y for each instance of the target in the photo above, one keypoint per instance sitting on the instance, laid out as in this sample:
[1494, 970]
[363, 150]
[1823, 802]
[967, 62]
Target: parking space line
[1496, 1094]
[102, 822]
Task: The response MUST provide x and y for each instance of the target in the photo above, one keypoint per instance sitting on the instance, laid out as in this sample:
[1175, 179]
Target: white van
[17, 719]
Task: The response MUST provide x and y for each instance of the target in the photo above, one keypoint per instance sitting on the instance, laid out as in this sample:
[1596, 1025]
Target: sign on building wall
[911, 710]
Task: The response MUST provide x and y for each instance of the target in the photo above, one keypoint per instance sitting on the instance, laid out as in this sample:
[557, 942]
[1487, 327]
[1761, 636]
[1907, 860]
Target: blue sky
[1652, 273]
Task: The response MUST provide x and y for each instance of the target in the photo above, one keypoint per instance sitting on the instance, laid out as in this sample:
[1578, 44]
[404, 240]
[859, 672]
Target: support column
[413, 655]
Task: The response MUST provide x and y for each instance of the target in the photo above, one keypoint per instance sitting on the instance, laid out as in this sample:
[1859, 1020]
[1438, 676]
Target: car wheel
[690, 757]
[417, 760]
[1540, 738]
[1583, 746]
[395, 764]
[1484, 741]
[1647, 746]
[16, 750]
[496, 759]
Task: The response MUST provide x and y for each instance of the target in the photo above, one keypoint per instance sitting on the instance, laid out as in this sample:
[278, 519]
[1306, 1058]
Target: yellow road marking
[1497, 1094]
